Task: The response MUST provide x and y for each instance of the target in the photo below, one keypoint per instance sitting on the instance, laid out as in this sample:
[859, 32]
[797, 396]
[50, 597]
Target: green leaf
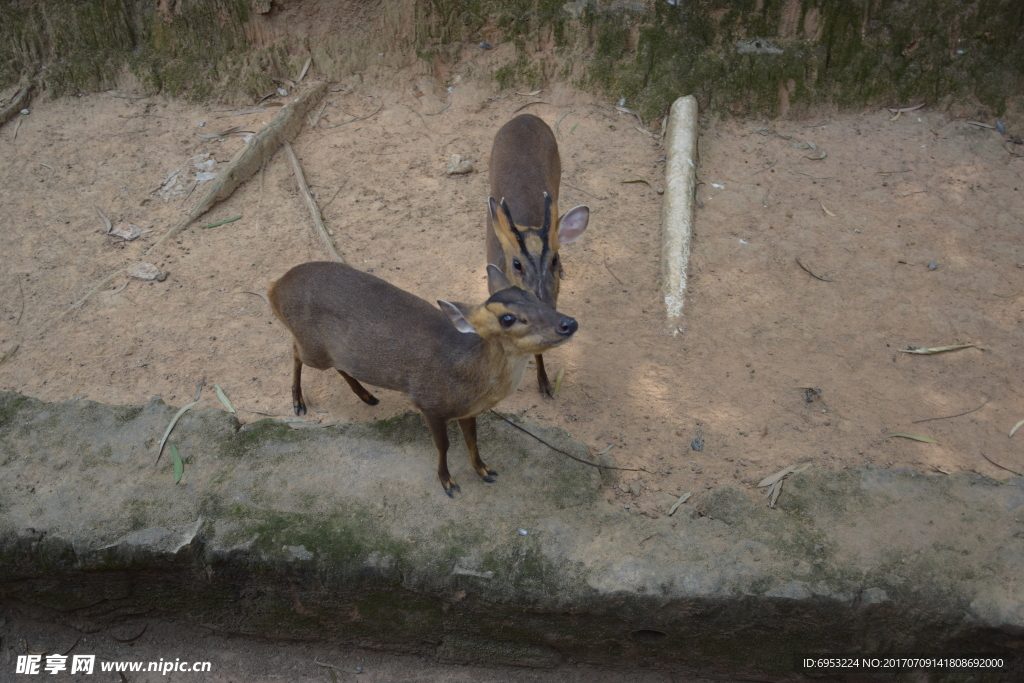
[179, 466]
[925, 439]
[217, 225]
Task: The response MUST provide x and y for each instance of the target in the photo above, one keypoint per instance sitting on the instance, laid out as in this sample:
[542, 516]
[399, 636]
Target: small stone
[486, 46]
[126, 231]
[282, 92]
[146, 271]
[933, 265]
[24, 112]
[634, 488]
[459, 166]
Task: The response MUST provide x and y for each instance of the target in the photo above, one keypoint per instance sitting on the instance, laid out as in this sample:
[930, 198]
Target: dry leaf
[682, 499]
[224, 398]
[925, 439]
[937, 349]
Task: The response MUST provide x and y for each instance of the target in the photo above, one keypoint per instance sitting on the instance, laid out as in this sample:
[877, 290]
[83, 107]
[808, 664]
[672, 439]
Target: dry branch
[285, 126]
[78, 304]
[17, 104]
[314, 210]
[250, 158]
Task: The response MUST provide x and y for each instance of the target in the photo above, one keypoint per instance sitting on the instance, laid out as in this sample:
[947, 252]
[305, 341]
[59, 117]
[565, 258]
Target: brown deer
[454, 363]
[522, 240]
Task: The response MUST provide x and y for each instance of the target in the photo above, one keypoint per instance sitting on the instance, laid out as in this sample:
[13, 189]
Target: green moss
[847, 52]
[136, 511]
[405, 428]
[84, 46]
[10, 404]
[400, 612]
[867, 52]
[246, 439]
[521, 71]
[125, 414]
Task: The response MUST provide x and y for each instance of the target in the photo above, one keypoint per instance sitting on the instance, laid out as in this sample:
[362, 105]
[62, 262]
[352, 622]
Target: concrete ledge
[344, 534]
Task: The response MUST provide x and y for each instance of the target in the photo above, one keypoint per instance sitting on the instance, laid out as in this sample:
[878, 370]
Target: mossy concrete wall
[344, 534]
[741, 56]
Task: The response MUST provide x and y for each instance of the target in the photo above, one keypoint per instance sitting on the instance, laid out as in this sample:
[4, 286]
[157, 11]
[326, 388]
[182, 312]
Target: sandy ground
[241, 659]
[772, 366]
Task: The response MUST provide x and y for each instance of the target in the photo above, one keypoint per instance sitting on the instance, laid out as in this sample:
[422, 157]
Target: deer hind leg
[439, 431]
[298, 405]
[359, 389]
[468, 426]
[542, 377]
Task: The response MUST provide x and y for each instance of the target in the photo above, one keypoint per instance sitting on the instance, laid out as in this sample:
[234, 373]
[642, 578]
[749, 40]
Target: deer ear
[496, 280]
[457, 313]
[572, 224]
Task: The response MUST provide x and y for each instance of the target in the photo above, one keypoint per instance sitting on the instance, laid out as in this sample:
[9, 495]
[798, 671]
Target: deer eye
[507, 320]
[517, 265]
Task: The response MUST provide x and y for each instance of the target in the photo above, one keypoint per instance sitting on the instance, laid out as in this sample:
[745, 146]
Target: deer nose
[568, 326]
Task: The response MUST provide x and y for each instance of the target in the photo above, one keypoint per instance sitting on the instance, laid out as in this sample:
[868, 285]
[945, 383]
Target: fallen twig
[17, 104]
[947, 417]
[1000, 466]
[559, 120]
[22, 293]
[78, 304]
[106, 221]
[356, 118]
[811, 272]
[319, 113]
[305, 68]
[627, 110]
[257, 110]
[610, 271]
[259, 294]
[7, 356]
[591, 194]
[435, 113]
[519, 109]
[220, 223]
[314, 210]
[284, 126]
[906, 110]
[234, 130]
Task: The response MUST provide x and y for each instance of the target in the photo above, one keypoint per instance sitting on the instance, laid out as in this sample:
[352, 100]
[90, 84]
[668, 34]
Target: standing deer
[454, 362]
[522, 237]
